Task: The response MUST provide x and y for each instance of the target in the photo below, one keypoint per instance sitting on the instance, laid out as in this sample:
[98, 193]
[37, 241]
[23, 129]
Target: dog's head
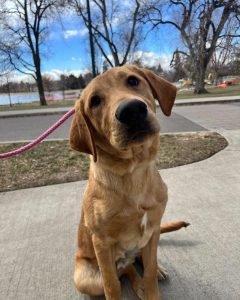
[116, 110]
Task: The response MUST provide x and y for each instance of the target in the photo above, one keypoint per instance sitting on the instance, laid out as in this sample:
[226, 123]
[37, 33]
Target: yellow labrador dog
[125, 197]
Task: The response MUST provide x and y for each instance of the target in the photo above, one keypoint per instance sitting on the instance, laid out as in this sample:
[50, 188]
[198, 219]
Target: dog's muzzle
[135, 122]
[132, 114]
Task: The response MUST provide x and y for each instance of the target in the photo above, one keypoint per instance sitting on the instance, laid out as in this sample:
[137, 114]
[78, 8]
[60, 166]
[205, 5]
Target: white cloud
[18, 77]
[73, 58]
[149, 59]
[9, 4]
[54, 74]
[67, 34]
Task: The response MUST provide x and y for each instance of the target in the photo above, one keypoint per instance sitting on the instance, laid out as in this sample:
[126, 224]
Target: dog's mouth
[139, 132]
[125, 136]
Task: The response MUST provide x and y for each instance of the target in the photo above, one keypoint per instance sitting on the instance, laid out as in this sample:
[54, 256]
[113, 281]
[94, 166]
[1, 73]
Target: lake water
[17, 98]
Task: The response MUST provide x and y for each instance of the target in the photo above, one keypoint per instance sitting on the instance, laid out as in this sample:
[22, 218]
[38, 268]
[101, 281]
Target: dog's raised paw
[138, 288]
[162, 273]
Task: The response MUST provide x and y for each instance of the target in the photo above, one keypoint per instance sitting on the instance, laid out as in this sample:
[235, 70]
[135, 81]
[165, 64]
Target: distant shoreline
[20, 98]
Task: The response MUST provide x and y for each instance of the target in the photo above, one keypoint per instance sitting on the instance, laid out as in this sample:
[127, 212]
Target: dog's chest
[131, 243]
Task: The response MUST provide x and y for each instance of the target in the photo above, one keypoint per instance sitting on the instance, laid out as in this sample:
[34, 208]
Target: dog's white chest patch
[146, 232]
[132, 247]
[144, 221]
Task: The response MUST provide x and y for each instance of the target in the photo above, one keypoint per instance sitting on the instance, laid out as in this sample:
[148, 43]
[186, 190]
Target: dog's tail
[173, 226]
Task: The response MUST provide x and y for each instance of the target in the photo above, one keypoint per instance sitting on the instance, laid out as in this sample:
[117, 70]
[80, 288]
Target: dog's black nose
[132, 112]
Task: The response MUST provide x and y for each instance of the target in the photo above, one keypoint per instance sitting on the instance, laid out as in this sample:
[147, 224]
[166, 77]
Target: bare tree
[180, 65]
[24, 25]
[115, 27]
[201, 23]
[234, 65]
[224, 53]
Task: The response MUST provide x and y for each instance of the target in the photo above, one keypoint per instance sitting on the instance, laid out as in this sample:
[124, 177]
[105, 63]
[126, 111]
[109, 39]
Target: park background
[51, 49]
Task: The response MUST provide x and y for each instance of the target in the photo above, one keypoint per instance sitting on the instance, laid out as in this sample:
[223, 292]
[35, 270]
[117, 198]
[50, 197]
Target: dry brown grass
[212, 92]
[54, 162]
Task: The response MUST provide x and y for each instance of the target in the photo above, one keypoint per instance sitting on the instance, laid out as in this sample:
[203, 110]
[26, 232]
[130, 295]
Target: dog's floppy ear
[163, 91]
[81, 134]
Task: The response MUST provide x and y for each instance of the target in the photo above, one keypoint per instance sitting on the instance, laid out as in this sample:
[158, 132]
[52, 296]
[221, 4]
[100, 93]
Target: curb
[186, 132]
[29, 141]
[32, 114]
[202, 102]
[67, 139]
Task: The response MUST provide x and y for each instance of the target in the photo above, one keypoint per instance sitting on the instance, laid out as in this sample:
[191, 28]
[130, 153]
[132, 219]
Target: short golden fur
[125, 197]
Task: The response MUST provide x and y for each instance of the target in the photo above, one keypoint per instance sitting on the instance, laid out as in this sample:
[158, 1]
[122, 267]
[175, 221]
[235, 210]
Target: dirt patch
[54, 162]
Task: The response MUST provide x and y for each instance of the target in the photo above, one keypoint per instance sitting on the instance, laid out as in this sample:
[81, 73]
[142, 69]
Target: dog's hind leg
[88, 278]
[161, 271]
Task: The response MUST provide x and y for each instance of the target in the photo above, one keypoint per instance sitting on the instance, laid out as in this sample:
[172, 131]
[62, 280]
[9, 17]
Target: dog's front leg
[107, 267]
[150, 277]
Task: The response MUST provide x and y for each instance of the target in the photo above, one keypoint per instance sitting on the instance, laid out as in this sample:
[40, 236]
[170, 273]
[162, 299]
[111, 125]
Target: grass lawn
[54, 162]
[212, 92]
[36, 105]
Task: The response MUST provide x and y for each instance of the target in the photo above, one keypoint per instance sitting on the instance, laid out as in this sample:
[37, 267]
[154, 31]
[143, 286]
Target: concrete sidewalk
[38, 230]
[61, 110]
[207, 100]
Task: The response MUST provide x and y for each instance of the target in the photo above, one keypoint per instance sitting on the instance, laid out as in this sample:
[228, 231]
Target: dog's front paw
[138, 288]
[162, 273]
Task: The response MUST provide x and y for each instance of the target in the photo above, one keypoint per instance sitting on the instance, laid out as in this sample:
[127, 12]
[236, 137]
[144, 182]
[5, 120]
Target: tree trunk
[200, 77]
[39, 81]
[92, 50]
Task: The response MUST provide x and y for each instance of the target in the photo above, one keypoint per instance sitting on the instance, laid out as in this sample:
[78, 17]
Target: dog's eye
[95, 101]
[133, 81]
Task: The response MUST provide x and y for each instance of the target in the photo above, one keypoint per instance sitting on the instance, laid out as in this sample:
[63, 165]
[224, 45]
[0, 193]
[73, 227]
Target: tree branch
[132, 32]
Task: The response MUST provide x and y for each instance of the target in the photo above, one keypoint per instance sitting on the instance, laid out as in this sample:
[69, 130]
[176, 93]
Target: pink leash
[41, 137]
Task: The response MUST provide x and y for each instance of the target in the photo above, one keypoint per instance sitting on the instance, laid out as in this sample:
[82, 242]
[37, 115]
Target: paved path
[38, 235]
[28, 128]
[185, 118]
[213, 116]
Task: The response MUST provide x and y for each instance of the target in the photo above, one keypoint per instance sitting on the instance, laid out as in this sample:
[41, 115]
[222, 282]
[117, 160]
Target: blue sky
[67, 47]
